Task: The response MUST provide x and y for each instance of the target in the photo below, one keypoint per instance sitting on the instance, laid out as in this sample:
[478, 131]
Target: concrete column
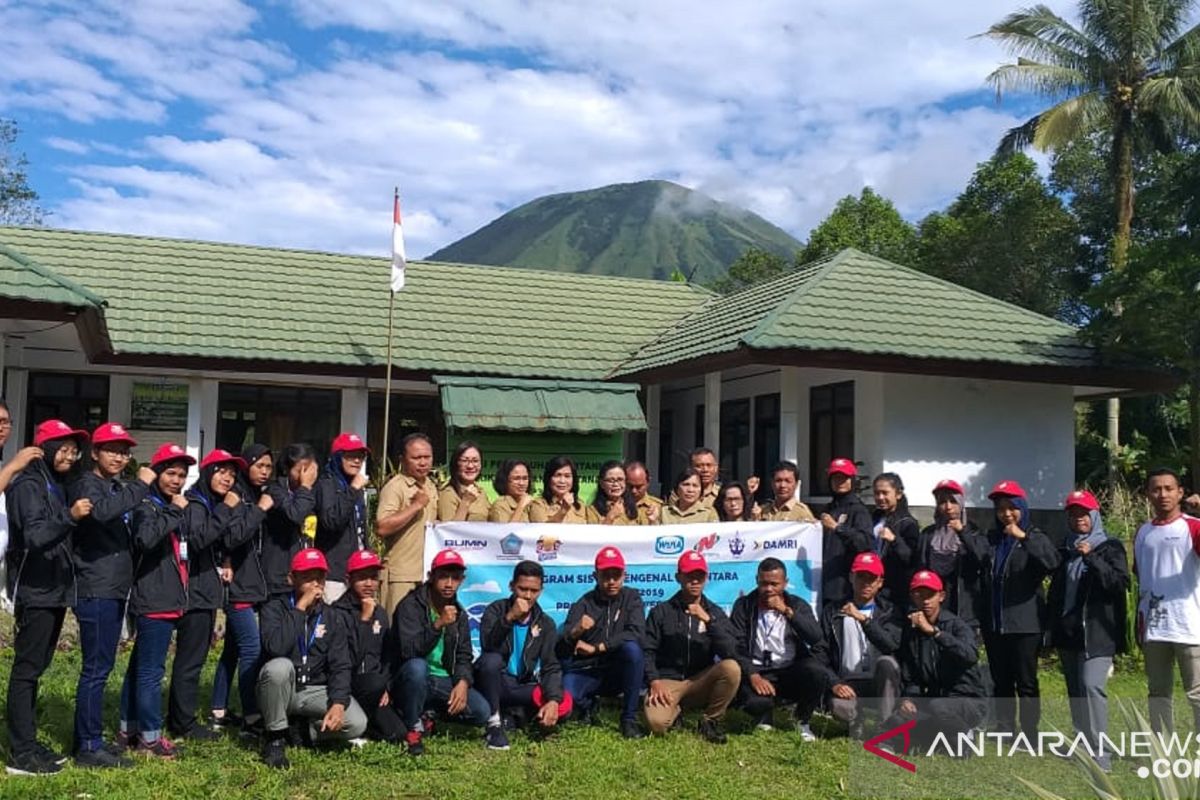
[120, 399]
[789, 415]
[355, 406]
[16, 387]
[202, 416]
[653, 396]
[712, 412]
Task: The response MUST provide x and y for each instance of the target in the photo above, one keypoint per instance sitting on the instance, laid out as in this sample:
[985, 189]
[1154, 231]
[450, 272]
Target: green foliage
[18, 201]
[869, 223]
[753, 266]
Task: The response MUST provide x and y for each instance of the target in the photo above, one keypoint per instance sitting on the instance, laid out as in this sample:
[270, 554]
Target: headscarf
[251, 454]
[945, 544]
[55, 480]
[1076, 568]
[334, 468]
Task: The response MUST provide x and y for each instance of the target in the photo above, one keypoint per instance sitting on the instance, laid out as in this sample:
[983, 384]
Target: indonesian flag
[399, 260]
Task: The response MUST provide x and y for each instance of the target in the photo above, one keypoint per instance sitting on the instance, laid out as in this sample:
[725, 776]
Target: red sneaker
[161, 748]
[412, 740]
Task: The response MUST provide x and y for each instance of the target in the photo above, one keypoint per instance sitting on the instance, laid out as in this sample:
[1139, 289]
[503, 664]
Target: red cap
[1082, 498]
[949, 485]
[170, 452]
[348, 442]
[219, 456]
[842, 466]
[309, 558]
[447, 558]
[1006, 489]
[691, 561]
[610, 558]
[57, 429]
[363, 559]
[868, 562]
[112, 432]
[926, 578]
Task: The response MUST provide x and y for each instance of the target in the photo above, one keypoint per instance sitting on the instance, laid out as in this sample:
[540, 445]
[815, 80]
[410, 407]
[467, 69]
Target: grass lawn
[578, 762]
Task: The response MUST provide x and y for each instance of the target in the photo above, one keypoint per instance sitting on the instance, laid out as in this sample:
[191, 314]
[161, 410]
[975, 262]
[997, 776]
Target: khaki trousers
[713, 689]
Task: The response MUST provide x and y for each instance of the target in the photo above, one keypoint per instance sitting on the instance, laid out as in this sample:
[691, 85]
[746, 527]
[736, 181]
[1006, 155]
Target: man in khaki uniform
[637, 480]
[406, 503]
[785, 477]
[704, 461]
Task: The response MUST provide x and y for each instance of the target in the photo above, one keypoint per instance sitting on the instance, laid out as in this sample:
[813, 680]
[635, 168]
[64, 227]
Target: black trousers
[33, 649]
[1012, 660]
[799, 682]
[384, 721]
[193, 637]
[948, 716]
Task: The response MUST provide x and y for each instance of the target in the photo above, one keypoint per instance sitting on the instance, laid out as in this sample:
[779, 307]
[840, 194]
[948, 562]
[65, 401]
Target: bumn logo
[668, 545]
[872, 745]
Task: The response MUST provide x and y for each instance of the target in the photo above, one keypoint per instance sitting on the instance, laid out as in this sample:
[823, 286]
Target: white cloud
[67, 145]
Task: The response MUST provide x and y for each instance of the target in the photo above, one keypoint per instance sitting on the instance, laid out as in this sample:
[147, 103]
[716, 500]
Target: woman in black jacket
[1019, 558]
[342, 509]
[41, 583]
[895, 534]
[291, 521]
[1087, 615]
[954, 548]
[847, 524]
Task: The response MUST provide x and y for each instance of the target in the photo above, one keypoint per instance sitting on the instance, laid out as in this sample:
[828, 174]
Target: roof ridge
[821, 270]
[52, 276]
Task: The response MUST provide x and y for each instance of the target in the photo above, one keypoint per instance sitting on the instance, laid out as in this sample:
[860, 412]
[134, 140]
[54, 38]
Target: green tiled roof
[169, 297]
[21, 278]
[527, 405]
[857, 303]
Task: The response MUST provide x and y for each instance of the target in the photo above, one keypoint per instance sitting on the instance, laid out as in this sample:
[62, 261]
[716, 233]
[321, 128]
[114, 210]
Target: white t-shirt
[1166, 558]
[858, 654]
[770, 636]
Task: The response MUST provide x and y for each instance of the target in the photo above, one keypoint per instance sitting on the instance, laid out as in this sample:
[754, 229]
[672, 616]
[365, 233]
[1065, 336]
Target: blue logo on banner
[511, 545]
[668, 545]
[736, 545]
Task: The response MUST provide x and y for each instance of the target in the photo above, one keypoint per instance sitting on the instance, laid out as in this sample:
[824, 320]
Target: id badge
[183, 552]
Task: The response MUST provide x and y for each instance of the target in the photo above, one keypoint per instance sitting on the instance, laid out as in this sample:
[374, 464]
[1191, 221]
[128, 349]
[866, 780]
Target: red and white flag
[399, 259]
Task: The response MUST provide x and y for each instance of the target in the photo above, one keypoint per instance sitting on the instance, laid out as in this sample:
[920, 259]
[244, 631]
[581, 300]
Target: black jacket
[964, 582]
[206, 522]
[242, 545]
[1097, 624]
[898, 555]
[883, 630]
[802, 628]
[158, 585]
[367, 642]
[679, 646]
[1022, 608]
[103, 541]
[341, 522]
[618, 620]
[496, 636]
[284, 537]
[40, 568]
[286, 630]
[852, 536]
[416, 636]
[946, 665]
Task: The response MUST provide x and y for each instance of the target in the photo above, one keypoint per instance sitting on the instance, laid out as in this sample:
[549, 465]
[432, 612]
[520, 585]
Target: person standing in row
[103, 559]
[24, 457]
[786, 507]
[614, 505]
[955, 548]
[407, 503]
[463, 499]
[1019, 558]
[704, 461]
[637, 479]
[342, 509]
[847, 532]
[734, 503]
[560, 494]
[686, 505]
[895, 536]
[40, 583]
[512, 485]
[293, 502]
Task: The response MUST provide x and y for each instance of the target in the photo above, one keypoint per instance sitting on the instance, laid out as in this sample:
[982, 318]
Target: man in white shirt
[1166, 560]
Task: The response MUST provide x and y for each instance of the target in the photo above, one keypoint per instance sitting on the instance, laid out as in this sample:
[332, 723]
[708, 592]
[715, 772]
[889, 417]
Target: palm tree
[1130, 72]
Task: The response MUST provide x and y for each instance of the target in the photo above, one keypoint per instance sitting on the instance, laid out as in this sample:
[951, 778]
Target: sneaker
[806, 732]
[296, 734]
[711, 730]
[357, 743]
[101, 759]
[428, 723]
[200, 733]
[412, 740]
[631, 730]
[121, 744]
[160, 748]
[764, 727]
[46, 754]
[274, 753]
[496, 738]
[253, 728]
[31, 762]
[226, 719]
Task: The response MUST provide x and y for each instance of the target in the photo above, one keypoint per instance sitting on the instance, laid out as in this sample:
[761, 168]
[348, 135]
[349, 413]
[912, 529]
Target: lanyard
[305, 640]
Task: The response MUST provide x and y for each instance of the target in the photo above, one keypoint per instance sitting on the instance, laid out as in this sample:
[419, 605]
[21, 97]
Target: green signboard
[159, 407]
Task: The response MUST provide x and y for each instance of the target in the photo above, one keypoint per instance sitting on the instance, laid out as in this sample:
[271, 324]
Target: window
[276, 416]
[409, 413]
[81, 401]
[698, 427]
[735, 440]
[830, 426]
[766, 439]
[668, 463]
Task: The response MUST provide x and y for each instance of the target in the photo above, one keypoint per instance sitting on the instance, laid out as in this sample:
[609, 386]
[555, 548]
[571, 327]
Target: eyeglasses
[70, 454]
[613, 480]
[116, 453]
[5, 423]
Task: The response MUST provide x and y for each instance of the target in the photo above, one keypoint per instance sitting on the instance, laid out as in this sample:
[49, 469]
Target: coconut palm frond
[1172, 97]
[1039, 34]
[1069, 120]
[1047, 79]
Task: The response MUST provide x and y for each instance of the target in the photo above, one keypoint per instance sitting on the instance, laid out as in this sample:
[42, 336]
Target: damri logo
[872, 745]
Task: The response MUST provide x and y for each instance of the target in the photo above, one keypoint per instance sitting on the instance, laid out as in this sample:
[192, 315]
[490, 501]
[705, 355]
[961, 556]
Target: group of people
[328, 637]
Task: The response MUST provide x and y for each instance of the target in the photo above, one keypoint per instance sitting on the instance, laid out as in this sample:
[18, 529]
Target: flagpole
[387, 381]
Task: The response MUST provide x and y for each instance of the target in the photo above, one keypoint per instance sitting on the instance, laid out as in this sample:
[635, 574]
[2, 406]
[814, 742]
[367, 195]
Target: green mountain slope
[640, 230]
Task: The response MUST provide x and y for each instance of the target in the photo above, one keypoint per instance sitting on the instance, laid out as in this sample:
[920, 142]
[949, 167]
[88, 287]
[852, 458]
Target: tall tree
[753, 266]
[1007, 236]
[18, 201]
[869, 223]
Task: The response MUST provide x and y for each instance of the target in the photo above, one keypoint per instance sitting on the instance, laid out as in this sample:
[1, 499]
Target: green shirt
[434, 659]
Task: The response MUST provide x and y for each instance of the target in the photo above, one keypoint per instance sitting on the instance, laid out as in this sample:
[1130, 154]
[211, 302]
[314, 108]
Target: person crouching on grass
[433, 647]
[519, 671]
[691, 658]
[362, 621]
[307, 664]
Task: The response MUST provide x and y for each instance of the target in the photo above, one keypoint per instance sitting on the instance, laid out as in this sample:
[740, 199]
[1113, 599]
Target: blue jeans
[420, 691]
[99, 633]
[620, 672]
[141, 694]
[242, 650]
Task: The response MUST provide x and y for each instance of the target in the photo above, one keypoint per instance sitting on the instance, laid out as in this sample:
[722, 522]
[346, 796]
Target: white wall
[978, 432]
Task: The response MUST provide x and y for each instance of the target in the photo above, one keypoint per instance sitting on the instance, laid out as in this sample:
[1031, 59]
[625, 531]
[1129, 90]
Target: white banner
[567, 553]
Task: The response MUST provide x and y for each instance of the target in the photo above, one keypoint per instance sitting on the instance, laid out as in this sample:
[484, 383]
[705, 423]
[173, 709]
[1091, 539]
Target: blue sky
[288, 123]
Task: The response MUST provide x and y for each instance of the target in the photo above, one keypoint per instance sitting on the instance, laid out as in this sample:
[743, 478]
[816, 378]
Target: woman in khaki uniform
[463, 499]
[560, 495]
[686, 506]
[614, 505]
[512, 484]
